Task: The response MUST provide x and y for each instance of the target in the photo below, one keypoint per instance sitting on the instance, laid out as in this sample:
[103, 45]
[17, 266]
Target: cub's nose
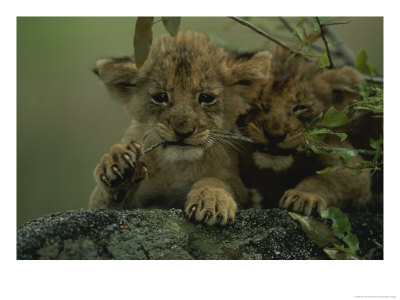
[183, 135]
[275, 138]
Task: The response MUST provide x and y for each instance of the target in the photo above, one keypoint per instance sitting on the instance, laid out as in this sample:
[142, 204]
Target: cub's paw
[121, 169]
[302, 202]
[211, 205]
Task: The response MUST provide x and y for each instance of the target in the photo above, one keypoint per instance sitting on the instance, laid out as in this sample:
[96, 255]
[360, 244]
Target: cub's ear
[339, 86]
[248, 73]
[250, 68]
[119, 75]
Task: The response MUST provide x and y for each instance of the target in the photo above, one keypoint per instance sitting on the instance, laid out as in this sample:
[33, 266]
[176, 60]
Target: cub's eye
[206, 98]
[161, 98]
[300, 108]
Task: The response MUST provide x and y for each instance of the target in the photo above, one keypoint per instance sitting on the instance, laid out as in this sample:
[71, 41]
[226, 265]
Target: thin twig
[292, 31]
[347, 54]
[321, 27]
[263, 33]
[249, 140]
[374, 79]
[359, 151]
[326, 149]
[337, 23]
[341, 48]
[151, 148]
[236, 137]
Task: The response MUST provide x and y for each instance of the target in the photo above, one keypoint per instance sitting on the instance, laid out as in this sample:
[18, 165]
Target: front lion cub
[187, 92]
[297, 93]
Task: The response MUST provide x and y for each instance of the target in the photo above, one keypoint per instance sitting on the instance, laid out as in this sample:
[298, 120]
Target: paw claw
[219, 219]
[115, 169]
[136, 145]
[208, 214]
[128, 160]
[192, 211]
[105, 179]
[305, 203]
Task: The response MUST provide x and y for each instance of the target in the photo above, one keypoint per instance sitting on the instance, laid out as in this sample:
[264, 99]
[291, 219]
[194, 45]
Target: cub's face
[187, 91]
[278, 119]
[287, 106]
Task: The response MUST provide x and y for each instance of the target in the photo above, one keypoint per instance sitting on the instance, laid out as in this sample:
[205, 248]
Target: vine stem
[328, 52]
[263, 33]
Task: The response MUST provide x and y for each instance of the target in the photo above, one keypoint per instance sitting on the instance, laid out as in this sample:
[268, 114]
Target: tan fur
[204, 172]
[297, 93]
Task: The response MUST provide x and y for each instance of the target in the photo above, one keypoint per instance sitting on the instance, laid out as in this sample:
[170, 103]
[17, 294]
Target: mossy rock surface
[167, 234]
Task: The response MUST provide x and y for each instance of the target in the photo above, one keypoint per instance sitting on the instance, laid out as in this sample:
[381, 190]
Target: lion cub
[187, 92]
[297, 93]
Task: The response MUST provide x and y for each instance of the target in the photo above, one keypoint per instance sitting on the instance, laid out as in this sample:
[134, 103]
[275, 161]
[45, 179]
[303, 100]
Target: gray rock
[166, 234]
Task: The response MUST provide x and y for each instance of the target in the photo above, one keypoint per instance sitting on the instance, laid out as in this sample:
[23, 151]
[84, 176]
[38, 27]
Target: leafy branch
[326, 33]
[263, 33]
[337, 242]
[143, 36]
[328, 52]
[372, 100]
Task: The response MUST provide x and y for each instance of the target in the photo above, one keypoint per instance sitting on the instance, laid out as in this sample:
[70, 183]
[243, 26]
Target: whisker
[235, 137]
[217, 150]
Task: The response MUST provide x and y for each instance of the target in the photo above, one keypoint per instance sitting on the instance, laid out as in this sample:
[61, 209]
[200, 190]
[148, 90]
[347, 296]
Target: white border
[197, 279]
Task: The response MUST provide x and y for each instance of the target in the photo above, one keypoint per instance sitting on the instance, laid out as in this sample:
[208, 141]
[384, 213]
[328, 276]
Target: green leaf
[362, 63]
[342, 135]
[324, 60]
[378, 154]
[317, 231]
[316, 25]
[335, 118]
[318, 131]
[171, 24]
[340, 223]
[328, 169]
[142, 39]
[316, 150]
[352, 241]
[345, 153]
[376, 143]
[363, 89]
[338, 255]
[300, 33]
[314, 122]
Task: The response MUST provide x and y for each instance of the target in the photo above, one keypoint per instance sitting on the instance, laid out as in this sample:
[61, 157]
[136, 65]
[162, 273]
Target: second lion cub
[297, 93]
[187, 91]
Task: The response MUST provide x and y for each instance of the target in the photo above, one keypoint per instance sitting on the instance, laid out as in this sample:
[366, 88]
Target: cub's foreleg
[339, 188]
[211, 201]
[118, 176]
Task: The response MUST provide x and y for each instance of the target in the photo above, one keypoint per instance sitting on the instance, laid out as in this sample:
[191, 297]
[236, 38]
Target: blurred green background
[66, 120]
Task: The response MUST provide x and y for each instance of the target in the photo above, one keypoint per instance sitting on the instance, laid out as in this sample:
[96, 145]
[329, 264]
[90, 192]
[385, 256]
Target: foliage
[144, 35]
[142, 39]
[341, 227]
[372, 100]
[362, 63]
[337, 242]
